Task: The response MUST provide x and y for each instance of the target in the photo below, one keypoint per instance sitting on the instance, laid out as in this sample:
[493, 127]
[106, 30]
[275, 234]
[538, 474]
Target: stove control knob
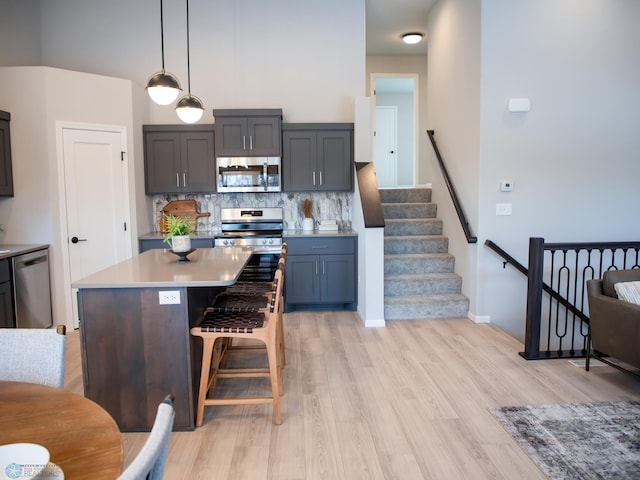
[271, 241]
[231, 243]
[264, 241]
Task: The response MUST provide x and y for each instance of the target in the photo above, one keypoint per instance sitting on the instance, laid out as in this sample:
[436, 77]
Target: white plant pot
[181, 243]
[307, 224]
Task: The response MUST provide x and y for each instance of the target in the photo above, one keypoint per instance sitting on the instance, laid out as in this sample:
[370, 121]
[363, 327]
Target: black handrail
[452, 191]
[568, 267]
[522, 269]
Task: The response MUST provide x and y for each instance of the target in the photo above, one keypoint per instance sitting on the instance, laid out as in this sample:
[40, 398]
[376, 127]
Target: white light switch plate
[503, 209]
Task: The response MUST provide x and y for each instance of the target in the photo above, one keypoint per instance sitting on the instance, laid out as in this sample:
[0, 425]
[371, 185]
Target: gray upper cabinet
[248, 133]
[6, 169]
[317, 156]
[179, 159]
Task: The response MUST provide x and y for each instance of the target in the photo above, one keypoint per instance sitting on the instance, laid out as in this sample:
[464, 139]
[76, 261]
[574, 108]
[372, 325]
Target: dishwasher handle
[33, 261]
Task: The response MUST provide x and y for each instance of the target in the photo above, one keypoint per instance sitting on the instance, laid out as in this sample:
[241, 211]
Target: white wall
[573, 158]
[305, 57]
[453, 105]
[33, 215]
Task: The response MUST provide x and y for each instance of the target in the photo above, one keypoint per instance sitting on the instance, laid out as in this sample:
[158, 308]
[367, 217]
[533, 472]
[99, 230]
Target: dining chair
[149, 463]
[256, 325]
[33, 355]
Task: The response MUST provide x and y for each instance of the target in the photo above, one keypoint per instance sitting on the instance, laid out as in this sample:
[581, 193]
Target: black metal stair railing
[557, 326]
[452, 191]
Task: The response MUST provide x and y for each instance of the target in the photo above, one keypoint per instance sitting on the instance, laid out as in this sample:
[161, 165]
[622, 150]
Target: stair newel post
[534, 299]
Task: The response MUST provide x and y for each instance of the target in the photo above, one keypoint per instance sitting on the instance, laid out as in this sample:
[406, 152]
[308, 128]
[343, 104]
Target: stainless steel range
[259, 228]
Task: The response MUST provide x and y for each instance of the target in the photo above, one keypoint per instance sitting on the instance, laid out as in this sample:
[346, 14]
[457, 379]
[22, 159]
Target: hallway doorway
[395, 152]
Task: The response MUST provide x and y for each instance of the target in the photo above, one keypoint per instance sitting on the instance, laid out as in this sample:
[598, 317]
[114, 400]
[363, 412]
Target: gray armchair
[614, 329]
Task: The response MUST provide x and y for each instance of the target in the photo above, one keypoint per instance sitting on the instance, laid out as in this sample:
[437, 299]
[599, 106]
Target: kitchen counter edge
[19, 249]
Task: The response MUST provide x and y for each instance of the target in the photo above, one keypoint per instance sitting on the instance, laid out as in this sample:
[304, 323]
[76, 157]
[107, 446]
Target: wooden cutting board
[183, 209]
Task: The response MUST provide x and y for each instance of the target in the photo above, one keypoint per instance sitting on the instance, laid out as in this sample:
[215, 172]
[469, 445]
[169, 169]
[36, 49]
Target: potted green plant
[178, 234]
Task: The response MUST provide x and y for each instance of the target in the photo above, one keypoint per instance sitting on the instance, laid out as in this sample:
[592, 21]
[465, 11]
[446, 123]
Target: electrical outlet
[169, 297]
[503, 209]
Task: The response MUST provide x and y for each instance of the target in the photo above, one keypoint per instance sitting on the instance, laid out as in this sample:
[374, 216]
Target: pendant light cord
[188, 59]
[162, 35]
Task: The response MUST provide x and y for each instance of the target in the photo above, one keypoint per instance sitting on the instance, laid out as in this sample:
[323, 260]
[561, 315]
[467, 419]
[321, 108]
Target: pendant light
[163, 87]
[189, 107]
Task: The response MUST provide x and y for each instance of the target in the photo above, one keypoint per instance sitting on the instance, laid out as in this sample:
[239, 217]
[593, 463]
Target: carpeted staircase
[419, 281]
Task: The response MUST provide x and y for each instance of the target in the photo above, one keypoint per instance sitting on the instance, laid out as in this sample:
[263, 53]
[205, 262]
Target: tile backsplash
[326, 206]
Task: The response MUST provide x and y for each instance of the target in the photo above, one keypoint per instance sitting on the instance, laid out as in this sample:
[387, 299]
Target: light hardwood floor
[408, 401]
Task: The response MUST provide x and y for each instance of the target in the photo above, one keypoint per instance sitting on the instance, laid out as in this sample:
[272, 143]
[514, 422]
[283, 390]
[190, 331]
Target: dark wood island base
[136, 350]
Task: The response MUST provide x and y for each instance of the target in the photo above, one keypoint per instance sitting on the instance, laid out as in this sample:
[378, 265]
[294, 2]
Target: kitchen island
[134, 328]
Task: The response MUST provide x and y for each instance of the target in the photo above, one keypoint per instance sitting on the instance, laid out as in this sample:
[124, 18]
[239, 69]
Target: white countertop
[207, 267]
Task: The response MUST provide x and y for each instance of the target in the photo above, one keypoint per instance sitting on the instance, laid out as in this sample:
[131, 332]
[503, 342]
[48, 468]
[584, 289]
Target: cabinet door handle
[244, 142]
[317, 247]
[323, 269]
[184, 179]
[320, 177]
[250, 142]
[316, 267]
[177, 180]
[314, 178]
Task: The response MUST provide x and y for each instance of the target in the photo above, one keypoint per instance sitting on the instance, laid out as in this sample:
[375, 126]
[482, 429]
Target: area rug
[578, 441]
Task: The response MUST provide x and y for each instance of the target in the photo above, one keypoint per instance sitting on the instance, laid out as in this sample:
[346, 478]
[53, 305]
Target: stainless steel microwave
[249, 174]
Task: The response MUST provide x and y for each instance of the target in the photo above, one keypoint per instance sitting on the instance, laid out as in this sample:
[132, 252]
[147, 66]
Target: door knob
[76, 239]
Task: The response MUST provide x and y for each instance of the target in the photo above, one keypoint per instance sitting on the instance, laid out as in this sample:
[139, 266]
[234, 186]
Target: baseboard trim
[479, 318]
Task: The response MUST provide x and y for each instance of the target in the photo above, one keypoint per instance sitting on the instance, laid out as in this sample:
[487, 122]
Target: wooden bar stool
[254, 288]
[227, 302]
[259, 325]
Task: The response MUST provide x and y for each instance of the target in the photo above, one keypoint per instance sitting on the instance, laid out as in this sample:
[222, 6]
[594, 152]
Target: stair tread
[413, 219]
[396, 256]
[425, 298]
[434, 236]
[418, 276]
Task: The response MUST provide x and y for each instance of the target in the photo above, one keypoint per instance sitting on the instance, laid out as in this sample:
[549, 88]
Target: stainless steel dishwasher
[32, 290]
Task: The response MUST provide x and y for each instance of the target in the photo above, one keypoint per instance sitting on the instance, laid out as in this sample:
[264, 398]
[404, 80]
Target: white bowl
[22, 460]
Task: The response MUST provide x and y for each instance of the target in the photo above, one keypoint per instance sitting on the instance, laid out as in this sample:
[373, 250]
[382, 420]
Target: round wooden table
[82, 438]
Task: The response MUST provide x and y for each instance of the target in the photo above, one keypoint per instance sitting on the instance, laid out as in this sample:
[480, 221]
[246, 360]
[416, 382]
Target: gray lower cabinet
[145, 244]
[317, 157]
[179, 159]
[320, 273]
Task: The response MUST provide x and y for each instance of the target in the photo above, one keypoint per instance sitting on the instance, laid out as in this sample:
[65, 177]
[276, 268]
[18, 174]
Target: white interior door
[385, 154]
[96, 205]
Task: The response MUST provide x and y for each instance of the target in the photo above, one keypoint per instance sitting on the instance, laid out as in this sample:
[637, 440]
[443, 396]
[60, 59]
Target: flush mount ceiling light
[412, 37]
[163, 87]
[189, 108]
